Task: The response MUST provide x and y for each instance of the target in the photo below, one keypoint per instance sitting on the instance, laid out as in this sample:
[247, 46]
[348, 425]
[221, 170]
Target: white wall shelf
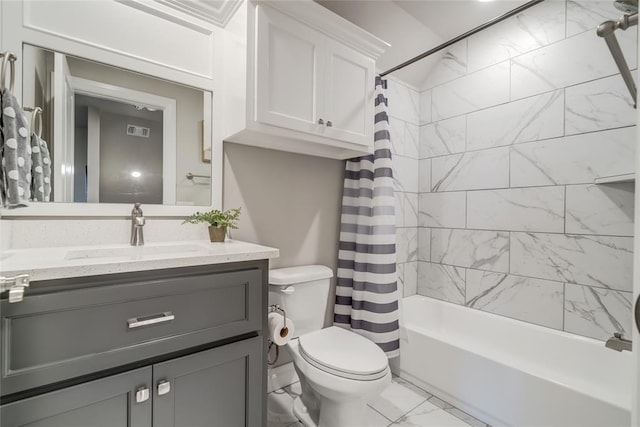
[627, 177]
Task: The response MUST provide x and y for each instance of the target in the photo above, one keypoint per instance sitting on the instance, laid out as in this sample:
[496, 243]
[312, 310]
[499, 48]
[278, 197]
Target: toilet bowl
[338, 369]
[336, 388]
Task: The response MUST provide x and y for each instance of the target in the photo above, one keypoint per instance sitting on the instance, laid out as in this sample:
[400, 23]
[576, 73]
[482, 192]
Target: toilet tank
[302, 292]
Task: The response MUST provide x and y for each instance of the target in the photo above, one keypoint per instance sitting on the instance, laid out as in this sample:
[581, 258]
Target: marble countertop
[77, 261]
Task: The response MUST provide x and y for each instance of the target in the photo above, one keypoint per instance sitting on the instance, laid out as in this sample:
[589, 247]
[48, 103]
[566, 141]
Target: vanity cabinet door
[288, 72]
[221, 387]
[108, 402]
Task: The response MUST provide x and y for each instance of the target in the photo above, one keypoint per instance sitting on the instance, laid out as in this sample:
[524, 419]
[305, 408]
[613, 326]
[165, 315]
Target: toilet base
[333, 413]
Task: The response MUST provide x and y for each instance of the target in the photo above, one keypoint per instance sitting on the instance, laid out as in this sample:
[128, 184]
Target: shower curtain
[366, 291]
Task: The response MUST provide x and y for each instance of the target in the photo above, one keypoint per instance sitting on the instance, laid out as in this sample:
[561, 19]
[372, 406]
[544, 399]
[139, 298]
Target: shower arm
[607, 31]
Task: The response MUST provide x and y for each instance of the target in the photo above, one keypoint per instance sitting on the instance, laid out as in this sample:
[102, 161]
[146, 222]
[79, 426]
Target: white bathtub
[511, 373]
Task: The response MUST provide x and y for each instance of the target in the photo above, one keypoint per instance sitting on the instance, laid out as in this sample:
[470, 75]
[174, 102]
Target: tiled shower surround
[518, 122]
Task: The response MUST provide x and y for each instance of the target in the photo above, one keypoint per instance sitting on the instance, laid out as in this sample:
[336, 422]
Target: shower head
[627, 6]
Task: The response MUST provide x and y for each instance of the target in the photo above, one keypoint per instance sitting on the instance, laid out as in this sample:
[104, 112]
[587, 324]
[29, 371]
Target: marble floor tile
[447, 407]
[398, 398]
[280, 409]
[404, 402]
[375, 418]
[426, 415]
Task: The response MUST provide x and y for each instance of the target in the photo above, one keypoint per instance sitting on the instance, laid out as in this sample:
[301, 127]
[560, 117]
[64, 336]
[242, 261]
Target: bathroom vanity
[162, 335]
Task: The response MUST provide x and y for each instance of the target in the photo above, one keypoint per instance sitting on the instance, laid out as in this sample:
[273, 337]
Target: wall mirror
[116, 136]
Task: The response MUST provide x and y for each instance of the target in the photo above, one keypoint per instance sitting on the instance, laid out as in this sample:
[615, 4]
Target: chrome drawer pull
[137, 322]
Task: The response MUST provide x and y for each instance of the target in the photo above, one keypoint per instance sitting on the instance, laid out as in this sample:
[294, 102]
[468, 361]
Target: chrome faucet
[618, 343]
[137, 222]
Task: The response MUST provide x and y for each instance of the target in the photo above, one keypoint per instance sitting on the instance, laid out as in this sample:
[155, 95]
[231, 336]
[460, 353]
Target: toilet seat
[343, 353]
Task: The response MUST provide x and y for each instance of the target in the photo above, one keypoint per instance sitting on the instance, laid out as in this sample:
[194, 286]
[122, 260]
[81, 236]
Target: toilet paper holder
[277, 309]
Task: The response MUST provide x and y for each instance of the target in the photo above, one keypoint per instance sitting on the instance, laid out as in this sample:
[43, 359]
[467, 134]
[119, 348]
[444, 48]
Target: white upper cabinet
[349, 91]
[290, 83]
[311, 79]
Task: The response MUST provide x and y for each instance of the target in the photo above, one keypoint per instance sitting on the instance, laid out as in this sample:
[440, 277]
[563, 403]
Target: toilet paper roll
[277, 331]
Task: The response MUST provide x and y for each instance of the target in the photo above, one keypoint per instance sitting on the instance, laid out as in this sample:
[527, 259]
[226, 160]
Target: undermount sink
[133, 251]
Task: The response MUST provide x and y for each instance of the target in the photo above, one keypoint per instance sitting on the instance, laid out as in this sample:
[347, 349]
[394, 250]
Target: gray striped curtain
[367, 291]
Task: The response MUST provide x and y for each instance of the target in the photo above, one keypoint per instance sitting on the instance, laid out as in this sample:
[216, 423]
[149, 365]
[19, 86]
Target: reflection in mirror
[116, 136]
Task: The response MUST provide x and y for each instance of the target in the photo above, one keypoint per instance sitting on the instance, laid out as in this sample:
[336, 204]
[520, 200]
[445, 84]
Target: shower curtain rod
[464, 36]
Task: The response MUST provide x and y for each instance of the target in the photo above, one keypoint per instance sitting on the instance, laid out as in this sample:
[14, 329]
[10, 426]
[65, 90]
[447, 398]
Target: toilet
[338, 369]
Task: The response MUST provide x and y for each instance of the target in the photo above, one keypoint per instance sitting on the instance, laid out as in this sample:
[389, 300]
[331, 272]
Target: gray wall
[289, 201]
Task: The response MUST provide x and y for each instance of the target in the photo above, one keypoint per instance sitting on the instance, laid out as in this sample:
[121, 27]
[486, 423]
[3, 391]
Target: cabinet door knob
[164, 387]
[320, 121]
[142, 394]
[329, 124]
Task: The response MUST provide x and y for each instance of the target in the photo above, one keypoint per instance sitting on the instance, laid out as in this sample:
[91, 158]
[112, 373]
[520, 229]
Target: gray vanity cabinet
[214, 388]
[78, 352]
[219, 387]
[108, 402]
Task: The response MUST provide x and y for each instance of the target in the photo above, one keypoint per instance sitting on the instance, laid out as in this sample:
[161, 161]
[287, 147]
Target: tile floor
[401, 404]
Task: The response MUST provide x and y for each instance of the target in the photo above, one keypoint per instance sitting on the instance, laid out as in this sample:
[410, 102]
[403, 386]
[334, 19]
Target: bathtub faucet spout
[618, 343]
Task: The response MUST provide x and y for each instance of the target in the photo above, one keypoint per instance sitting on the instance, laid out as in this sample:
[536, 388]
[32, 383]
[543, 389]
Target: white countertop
[77, 261]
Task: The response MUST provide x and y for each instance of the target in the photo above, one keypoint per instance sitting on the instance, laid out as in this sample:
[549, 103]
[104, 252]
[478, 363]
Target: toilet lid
[343, 353]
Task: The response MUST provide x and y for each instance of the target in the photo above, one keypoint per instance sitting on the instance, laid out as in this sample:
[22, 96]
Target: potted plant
[218, 221]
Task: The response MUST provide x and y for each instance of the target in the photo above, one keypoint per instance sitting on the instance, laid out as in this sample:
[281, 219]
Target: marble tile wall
[405, 106]
[514, 126]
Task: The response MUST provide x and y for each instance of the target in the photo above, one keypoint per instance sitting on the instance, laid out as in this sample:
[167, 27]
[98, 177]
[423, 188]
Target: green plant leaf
[216, 218]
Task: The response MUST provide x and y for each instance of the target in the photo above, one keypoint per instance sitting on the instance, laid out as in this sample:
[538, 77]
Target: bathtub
[511, 373]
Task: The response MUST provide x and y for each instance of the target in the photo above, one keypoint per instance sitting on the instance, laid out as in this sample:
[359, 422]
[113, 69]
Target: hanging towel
[41, 169]
[367, 291]
[15, 150]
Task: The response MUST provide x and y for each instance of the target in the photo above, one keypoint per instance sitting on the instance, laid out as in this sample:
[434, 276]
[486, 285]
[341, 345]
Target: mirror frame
[12, 17]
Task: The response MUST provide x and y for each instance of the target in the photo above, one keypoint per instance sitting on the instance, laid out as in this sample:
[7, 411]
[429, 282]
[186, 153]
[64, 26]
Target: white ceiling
[415, 26]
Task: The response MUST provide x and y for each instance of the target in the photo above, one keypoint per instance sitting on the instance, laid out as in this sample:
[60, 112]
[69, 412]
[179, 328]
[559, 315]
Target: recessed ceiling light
[136, 174]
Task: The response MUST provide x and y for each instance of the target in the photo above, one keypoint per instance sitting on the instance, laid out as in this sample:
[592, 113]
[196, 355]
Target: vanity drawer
[56, 336]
